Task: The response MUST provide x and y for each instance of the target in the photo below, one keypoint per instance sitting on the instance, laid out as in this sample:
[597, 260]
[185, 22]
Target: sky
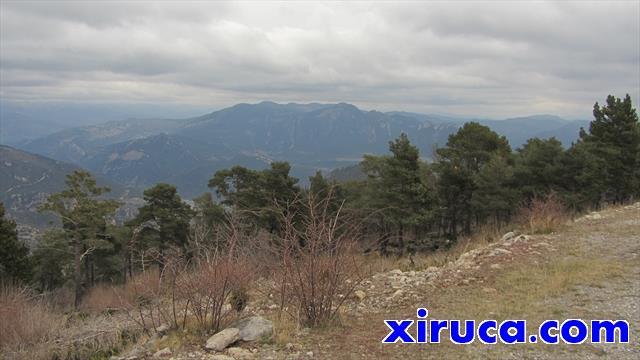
[486, 59]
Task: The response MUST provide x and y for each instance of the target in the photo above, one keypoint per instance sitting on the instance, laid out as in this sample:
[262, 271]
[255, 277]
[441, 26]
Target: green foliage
[170, 217]
[207, 211]
[614, 138]
[395, 187]
[84, 217]
[257, 193]
[15, 264]
[539, 167]
[53, 259]
[494, 195]
[458, 165]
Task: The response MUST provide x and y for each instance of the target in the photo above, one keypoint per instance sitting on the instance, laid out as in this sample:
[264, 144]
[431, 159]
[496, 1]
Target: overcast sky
[490, 59]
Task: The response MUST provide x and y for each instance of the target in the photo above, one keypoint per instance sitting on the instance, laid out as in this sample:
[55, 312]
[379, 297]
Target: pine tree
[170, 217]
[257, 193]
[614, 138]
[494, 195]
[538, 167]
[84, 218]
[397, 189]
[457, 165]
[15, 263]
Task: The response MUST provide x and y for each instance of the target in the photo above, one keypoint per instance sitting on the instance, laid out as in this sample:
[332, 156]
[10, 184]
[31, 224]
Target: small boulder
[254, 328]
[359, 294]
[224, 338]
[508, 236]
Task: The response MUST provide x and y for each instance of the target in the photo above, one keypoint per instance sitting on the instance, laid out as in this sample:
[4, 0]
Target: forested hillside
[139, 153]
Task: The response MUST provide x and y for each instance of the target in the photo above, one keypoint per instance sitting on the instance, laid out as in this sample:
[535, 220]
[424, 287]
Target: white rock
[359, 294]
[224, 338]
[508, 236]
[254, 328]
[498, 251]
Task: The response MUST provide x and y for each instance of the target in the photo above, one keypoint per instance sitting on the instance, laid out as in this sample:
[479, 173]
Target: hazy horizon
[492, 60]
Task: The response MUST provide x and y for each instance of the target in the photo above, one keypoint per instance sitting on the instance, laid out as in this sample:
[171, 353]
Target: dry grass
[26, 319]
[31, 328]
[543, 215]
[285, 329]
[101, 298]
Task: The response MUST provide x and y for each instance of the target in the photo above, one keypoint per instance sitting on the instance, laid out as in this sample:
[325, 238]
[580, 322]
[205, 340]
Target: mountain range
[138, 153]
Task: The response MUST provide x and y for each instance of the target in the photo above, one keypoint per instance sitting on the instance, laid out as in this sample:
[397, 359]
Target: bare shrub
[543, 215]
[210, 286]
[315, 265]
[199, 289]
[26, 319]
[140, 298]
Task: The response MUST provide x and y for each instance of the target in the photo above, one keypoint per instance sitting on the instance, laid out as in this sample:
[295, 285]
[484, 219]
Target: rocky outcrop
[254, 328]
[224, 338]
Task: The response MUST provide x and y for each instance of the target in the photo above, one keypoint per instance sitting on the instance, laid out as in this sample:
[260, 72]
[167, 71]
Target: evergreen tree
[84, 218]
[169, 217]
[396, 188]
[53, 260]
[15, 264]
[614, 138]
[494, 195]
[457, 165]
[257, 193]
[539, 167]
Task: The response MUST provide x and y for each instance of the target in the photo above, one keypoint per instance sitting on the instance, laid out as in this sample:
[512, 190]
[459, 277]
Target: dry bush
[198, 289]
[543, 215]
[141, 297]
[101, 298]
[207, 288]
[316, 267]
[26, 319]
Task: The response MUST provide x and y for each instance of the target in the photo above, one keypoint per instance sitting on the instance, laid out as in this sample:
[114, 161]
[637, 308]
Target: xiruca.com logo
[570, 331]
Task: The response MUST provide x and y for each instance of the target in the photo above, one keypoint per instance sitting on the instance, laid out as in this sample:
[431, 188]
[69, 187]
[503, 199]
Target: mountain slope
[27, 179]
[79, 144]
[140, 153]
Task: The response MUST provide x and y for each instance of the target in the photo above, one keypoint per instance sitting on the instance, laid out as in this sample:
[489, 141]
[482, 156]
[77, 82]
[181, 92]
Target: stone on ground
[254, 328]
[224, 338]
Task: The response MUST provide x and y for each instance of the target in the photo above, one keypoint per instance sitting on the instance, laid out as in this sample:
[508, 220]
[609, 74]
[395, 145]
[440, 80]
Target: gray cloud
[485, 59]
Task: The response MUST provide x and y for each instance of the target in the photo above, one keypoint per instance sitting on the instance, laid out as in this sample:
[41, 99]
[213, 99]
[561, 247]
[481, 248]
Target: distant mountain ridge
[139, 153]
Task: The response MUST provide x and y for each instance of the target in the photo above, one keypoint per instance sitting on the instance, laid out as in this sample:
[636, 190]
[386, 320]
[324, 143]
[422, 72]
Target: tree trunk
[77, 274]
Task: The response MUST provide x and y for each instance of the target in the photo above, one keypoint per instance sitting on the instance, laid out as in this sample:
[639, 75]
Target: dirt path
[590, 270]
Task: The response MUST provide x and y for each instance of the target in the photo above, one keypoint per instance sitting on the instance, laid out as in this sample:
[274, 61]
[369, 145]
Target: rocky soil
[488, 282]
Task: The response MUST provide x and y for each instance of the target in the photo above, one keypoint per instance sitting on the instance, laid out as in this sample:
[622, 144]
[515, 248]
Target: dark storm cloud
[489, 59]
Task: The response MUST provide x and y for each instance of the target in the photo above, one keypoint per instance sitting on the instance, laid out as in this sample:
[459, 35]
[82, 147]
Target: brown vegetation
[543, 215]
